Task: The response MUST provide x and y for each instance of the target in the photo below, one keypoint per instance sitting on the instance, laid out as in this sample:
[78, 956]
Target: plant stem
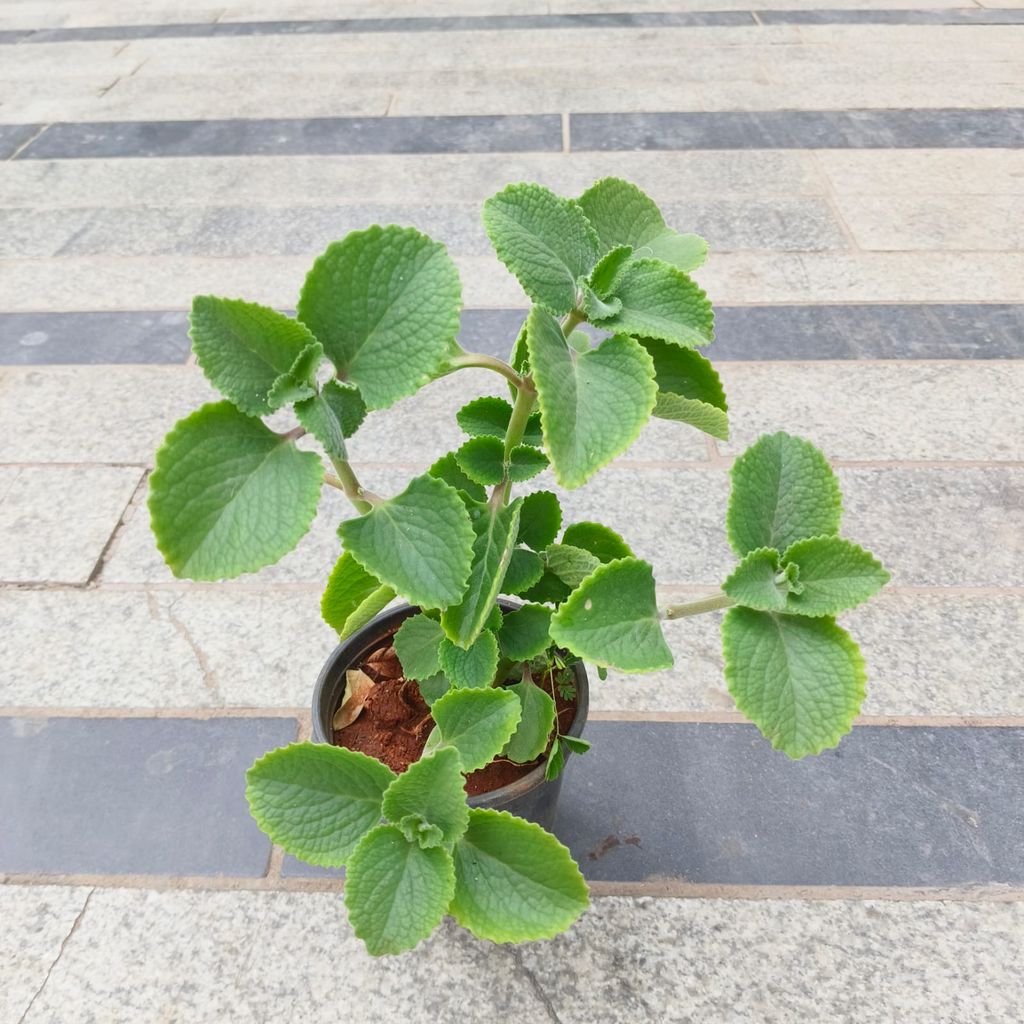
[361, 499]
[486, 362]
[525, 397]
[576, 316]
[707, 604]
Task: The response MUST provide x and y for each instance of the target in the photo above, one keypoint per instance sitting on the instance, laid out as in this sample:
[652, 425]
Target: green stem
[576, 316]
[707, 604]
[486, 362]
[362, 499]
[525, 397]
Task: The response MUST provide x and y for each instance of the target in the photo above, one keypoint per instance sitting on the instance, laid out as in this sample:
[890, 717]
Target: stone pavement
[859, 170]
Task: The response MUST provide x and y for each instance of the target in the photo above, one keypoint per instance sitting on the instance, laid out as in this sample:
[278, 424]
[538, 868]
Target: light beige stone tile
[856, 411]
[925, 222]
[36, 919]
[55, 521]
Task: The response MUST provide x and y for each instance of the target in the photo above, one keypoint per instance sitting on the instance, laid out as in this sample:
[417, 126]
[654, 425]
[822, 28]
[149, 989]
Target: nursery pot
[531, 796]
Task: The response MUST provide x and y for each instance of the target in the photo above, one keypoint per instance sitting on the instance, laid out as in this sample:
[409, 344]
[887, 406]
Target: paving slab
[132, 796]
[14, 136]
[56, 521]
[37, 919]
[989, 172]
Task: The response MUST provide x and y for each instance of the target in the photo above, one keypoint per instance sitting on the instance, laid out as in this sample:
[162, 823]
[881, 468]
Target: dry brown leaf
[357, 688]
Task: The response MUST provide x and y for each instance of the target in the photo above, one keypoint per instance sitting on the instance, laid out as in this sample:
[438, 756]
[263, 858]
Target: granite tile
[56, 521]
[132, 796]
[891, 806]
[36, 919]
[961, 16]
[14, 136]
[965, 172]
[135, 139]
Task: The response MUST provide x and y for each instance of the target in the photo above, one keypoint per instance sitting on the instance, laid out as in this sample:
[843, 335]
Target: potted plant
[460, 688]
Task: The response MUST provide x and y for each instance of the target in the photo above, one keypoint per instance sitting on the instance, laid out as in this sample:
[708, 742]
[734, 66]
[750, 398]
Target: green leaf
[623, 215]
[659, 301]
[525, 462]
[416, 644]
[555, 763]
[243, 348]
[348, 586]
[598, 539]
[514, 881]
[395, 891]
[430, 790]
[596, 308]
[367, 609]
[548, 589]
[434, 688]
[783, 490]
[525, 632]
[315, 800]
[482, 459]
[689, 389]
[299, 383]
[593, 405]
[495, 531]
[799, 680]
[760, 582]
[419, 542]
[489, 417]
[332, 416]
[539, 520]
[575, 744]
[385, 305]
[544, 240]
[228, 495]
[524, 570]
[611, 619]
[608, 268]
[570, 564]
[835, 574]
[578, 340]
[477, 723]
[447, 469]
[530, 739]
[470, 667]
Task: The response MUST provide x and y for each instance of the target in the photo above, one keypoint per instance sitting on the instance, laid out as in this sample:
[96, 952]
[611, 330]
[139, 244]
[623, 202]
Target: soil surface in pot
[395, 723]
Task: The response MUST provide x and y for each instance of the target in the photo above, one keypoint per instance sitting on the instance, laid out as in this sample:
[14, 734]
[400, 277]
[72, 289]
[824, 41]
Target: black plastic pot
[530, 797]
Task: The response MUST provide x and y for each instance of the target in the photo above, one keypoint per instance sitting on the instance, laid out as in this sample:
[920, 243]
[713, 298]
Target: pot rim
[352, 646]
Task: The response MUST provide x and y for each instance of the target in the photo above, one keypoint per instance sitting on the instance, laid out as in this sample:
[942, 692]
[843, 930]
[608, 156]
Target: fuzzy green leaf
[524, 633]
[482, 459]
[530, 739]
[544, 240]
[315, 800]
[396, 892]
[477, 723]
[243, 348]
[570, 564]
[689, 389]
[430, 791]
[371, 606]
[514, 881]
[783, 490]
[659, 301]
[434, 688]
[525, 568]
[495, 531]
[332, 416]
[549, 589]
[419, 542]
[598, 539]
[593, 405]
[228, 495]
[348, 586]
[760, 582]
[611, 619]
[540, 519]
[471, 667]
[604, 275]
[385, 304]
[490, 416]
[299, 383]
[525, 462]
[835, 575]
[623, 215]
[597, 309]
[416, 643]
[799, 680]
[447, 469]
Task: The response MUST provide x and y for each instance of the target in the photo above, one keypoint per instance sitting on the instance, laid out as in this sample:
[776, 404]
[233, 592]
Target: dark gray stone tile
[12, 136]
[132, 795]
[300, 136]
[128, 337]
[800, 129]
[940, 16]
[892, 806]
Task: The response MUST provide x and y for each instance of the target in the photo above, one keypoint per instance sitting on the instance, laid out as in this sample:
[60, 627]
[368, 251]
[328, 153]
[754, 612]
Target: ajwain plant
[377, 320]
